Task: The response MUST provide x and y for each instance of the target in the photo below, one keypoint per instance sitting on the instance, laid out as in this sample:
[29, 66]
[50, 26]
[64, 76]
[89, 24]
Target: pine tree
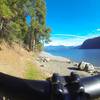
[14, 27]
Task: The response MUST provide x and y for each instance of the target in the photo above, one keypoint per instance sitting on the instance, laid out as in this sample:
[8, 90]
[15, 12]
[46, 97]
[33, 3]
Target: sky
[73, 21]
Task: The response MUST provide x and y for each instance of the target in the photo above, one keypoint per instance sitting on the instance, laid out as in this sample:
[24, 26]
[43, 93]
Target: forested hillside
[14, 26]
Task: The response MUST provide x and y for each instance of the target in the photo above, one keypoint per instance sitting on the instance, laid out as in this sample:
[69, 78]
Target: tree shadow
[73, 68]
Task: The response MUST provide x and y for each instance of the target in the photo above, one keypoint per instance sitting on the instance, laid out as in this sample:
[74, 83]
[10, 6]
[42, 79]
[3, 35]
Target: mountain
[93, 43]
[59, 48]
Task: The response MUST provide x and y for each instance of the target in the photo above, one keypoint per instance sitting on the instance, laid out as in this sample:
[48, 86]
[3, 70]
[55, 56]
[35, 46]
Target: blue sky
[73, 21]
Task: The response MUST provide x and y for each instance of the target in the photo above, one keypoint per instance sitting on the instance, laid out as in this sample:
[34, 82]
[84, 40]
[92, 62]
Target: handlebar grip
[91, 85]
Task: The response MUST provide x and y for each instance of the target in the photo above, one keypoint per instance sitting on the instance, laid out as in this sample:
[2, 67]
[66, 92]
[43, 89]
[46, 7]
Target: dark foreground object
[57, 88]
[22, 89]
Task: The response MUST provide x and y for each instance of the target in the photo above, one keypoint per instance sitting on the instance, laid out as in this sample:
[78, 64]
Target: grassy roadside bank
[33, 72]
[19, 62]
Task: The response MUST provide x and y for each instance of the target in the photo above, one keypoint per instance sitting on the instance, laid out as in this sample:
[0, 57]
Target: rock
[86, 67]
[43, 59]
[47, 59]
[41, 65]
[38, 59]
[76, 64]
[81, 65]
[68, 61]
[89, 68]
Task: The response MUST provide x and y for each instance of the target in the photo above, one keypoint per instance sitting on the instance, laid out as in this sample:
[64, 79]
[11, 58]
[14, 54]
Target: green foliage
[39, 47]
[13, 25]
[5, 11]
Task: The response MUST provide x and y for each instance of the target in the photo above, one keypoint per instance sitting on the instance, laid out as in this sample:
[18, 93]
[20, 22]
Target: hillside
[18, 62]
[93, 43]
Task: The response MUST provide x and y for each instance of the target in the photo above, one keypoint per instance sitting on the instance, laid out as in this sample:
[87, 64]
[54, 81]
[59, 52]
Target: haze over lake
[88, 55]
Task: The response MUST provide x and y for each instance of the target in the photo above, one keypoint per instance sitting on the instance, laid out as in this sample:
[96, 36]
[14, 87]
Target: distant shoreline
[53, 57]
[61, 65]
[59, 58]
[88, 55]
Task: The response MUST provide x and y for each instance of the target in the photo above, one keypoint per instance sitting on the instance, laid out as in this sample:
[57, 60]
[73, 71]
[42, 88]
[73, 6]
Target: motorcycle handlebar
[57, 88]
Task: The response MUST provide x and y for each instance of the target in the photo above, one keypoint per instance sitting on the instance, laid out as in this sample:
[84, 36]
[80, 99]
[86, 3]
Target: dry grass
[18, 62]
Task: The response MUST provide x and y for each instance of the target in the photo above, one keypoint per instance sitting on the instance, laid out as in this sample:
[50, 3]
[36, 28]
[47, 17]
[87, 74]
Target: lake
[88, 55]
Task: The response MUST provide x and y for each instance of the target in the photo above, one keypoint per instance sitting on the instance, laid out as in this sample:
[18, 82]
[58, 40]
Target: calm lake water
[88, 55]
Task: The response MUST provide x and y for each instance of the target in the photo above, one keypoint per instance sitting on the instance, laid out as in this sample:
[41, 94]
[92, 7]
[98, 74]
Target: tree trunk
[30, 42]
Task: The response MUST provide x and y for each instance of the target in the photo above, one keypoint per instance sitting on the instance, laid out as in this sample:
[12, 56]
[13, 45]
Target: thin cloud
[90, 35]
[98, 29]
[68, 35]
[74, 41]
[69, 42]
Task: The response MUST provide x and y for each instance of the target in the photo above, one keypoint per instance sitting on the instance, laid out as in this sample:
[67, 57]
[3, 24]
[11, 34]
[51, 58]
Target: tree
[13, 24]
[41, 34]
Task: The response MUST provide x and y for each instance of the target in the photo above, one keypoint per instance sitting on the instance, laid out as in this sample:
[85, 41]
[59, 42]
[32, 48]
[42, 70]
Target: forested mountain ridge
[15, 28]
[93, 43]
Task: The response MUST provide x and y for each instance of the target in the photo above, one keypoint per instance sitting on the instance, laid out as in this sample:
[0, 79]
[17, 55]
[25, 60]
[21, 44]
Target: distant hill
[59, 48]
[93, 43]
